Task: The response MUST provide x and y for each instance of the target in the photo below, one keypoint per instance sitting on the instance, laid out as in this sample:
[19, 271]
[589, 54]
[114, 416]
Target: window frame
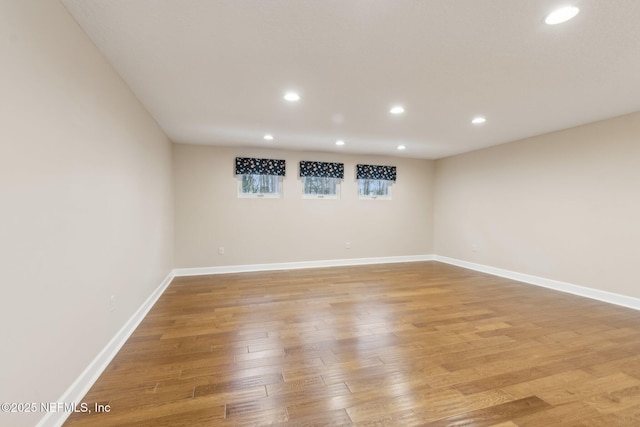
[260, 195]
[323, 176]
[330, 181]
[388, 187]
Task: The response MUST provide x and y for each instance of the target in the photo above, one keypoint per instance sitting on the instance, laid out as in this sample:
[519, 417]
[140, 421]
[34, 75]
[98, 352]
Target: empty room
[320, 213]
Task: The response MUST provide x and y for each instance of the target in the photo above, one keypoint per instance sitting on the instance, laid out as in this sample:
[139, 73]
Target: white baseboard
[610, 297]
[76, 392]
[297, 265]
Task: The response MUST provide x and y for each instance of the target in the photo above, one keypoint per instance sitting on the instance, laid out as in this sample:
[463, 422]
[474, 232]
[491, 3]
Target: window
[259, 186]
[374, 188]
[321, 180]
[374, 182]
[318, 187]
[259, 177]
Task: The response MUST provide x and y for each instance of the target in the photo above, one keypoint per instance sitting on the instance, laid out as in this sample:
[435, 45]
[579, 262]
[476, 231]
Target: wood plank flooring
[400, 344]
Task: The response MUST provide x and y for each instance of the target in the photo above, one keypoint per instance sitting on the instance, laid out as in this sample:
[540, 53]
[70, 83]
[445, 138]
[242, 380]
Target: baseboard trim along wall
[297, 265]
[88, 377]
[76, 392]
[609, 297]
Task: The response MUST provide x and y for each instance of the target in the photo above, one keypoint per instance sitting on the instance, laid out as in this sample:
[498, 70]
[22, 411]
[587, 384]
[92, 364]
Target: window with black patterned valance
[322, 169]
[374, 181]
[259, 177]
[253, 166]
[320, 180]
[387, 173]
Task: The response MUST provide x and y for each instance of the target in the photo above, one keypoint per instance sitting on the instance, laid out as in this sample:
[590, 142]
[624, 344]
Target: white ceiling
[215, 71]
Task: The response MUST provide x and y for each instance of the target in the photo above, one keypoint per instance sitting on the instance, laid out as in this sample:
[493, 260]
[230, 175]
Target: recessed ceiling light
[561, 15]
[398, 109]
[268, 137]
[339, 142]
[478, 120]
[401, 147]
[291, 96]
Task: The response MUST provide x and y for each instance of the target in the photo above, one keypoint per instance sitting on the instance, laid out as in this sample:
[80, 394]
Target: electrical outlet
[347, 245]
[112, 303]
[221, 250]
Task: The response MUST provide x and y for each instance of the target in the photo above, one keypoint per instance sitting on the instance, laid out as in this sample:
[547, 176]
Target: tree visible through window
[320, 186]
[373, 187]
[374, 181]
[259, 185]
[321, 180]
[259, 177]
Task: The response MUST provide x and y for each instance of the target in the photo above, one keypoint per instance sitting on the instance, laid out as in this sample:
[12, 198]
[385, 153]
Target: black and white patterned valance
[322, 169]
[251, 166]
[387, 173]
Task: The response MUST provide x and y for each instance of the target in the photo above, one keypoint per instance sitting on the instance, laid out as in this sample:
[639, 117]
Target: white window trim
[322, 196]
[387, 196]
[243, 195]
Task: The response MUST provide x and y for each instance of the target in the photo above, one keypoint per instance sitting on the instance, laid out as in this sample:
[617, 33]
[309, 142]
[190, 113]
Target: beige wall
[87, 206]
[563, 206]
[86, 203]
[253, 231]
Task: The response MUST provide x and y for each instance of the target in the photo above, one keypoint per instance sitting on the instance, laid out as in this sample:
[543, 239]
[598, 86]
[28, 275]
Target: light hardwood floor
[399, 344]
